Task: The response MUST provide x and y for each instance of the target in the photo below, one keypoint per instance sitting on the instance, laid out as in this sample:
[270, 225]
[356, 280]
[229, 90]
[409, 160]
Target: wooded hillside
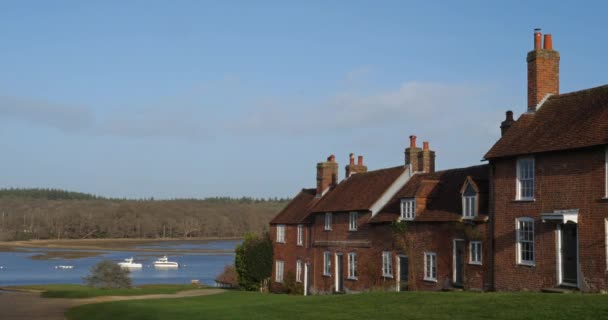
[30, 214]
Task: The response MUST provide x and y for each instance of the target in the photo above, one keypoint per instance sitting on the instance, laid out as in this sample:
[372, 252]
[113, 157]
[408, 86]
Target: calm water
[18, 269]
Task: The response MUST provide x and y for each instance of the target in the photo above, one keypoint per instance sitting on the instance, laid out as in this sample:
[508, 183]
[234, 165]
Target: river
[18, 268]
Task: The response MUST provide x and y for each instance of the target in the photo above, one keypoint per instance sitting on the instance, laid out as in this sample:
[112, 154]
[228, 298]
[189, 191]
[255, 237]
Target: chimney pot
[360, 160]
[537, 38]
[509, 115]
[412, 141]
[331, 158]
[548, 42]
[425, 146]
[352, 159]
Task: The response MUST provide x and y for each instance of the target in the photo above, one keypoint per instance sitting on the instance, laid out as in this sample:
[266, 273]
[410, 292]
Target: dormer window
[408, 209]
[469, 202]
[328, 219]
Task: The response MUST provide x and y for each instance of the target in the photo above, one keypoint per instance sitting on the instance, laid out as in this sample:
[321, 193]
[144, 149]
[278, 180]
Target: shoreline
[113, 245]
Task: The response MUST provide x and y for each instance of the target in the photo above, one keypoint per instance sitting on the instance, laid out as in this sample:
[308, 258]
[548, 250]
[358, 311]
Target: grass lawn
[80, 291]
[409, 305]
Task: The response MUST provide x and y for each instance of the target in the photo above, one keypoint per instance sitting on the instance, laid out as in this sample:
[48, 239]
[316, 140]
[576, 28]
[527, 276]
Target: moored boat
[128, 263]
[165, 263]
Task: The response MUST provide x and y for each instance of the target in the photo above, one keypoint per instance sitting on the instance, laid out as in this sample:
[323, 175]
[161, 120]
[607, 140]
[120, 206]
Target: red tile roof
[360, 191]
[442, 192]
[298, 209]
[566, 121]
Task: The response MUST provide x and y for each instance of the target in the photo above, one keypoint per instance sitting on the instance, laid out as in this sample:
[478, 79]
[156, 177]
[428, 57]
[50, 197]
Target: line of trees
[38, 217]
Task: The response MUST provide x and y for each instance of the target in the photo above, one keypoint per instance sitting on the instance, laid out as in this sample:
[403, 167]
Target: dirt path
[30, 305]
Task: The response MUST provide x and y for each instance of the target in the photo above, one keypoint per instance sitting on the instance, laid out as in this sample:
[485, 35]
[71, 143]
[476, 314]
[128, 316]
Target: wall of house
[438, 237]
[289, 252]
[563, 180]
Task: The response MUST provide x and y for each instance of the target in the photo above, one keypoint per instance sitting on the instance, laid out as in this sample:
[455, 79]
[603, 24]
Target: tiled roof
[566, 121]
[360, 191]
[442, 192]
[298, 209]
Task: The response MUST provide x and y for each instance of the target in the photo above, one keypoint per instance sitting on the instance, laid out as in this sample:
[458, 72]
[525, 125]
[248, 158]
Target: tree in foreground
[253, 261]
[108, 275]
[228, 278]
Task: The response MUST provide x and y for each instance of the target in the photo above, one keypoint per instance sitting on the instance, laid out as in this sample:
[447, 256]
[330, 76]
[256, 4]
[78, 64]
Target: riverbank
[129, 245]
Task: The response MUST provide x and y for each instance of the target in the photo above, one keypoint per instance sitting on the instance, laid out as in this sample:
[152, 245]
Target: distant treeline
[58, 194]
[59, 214]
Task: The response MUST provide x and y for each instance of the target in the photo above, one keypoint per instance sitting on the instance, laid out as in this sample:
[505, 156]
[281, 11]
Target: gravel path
[30, 305]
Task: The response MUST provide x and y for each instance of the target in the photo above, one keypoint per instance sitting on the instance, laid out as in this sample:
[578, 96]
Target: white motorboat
[128, 263]
[64, 267]
[165, 263]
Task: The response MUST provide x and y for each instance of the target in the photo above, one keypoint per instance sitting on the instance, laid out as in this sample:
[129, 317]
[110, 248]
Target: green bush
[253, 261]
[108, 275]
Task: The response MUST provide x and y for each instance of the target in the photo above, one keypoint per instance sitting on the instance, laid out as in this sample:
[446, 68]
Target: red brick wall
[543, 75]
[289, 252]
[564, 180]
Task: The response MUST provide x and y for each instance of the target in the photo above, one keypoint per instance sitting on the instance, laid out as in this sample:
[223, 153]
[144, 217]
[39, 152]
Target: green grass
[80, 291]
[409, 305]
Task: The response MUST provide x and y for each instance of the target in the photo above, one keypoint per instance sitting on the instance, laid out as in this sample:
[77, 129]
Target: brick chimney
[505, 125]
[421, 160]
[327, 174]
[353, 168]
[543, 70]
[426, 159]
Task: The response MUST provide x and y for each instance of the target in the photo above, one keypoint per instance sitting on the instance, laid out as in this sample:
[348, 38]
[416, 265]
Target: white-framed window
[469, 202]
[525, 240]
[430, 266]
[387, 264]
[280, 233]
[408, 209]
[352, 265]
[279, 271]
[328, 218]
[475, 252]
[352, 221]
[525, 179]
[300, 241]
[327, 263]
[299, 271]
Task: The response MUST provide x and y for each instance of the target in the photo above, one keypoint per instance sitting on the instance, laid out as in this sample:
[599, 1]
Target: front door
[458, 263]
[403, 273]
[339, 273]
[569, 254]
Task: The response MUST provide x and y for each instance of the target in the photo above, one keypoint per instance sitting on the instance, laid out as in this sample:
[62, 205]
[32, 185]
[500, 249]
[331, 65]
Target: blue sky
[200, 98]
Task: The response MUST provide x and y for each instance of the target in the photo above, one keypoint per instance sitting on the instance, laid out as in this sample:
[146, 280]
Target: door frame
[560, 275]
[454, 261]
[398, 277]
[338, 266]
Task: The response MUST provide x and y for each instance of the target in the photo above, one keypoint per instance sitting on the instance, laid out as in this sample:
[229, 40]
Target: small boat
[64, 267]
[165, 263]
[128, 263]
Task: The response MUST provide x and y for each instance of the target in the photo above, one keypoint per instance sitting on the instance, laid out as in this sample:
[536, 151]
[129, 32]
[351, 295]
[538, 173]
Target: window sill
[352, 230]
[299, 245]
[352, 278]
[525, 200]
[281, 242]
[327, 275]
[387, 276]
[605, 199]
[475, 263]
[326, 229]
[431, 280]
[526, 264]
[299, 281]
[276, 281]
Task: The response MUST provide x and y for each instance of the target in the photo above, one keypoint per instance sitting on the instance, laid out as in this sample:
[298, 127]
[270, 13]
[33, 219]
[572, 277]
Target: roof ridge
[604, 86]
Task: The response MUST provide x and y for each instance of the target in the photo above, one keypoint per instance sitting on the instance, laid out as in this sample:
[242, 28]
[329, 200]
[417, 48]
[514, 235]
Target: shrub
[106, 274]
[228, 277]
[253, 261]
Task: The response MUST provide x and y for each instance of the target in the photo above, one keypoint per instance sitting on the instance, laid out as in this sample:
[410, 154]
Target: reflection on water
[19, 269]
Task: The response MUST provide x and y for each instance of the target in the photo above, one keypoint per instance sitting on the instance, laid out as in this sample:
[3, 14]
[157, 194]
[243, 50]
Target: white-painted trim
[518, 196]
[480, 253]
[281, 236]
[403, 214]
[425, 278]
[277, 273]
[300, 235]
[337, 271]
[391, 191]
[326, 258]
[349, 265]
[454, 261]
[351, 226]
[560, 275]
[518, 244]
[398, 277]
[392, 267]
[328, 222]
[306, 270]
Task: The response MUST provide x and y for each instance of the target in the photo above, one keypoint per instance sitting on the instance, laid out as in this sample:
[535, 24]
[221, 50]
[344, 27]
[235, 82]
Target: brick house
[549, 185]
[534, 217]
